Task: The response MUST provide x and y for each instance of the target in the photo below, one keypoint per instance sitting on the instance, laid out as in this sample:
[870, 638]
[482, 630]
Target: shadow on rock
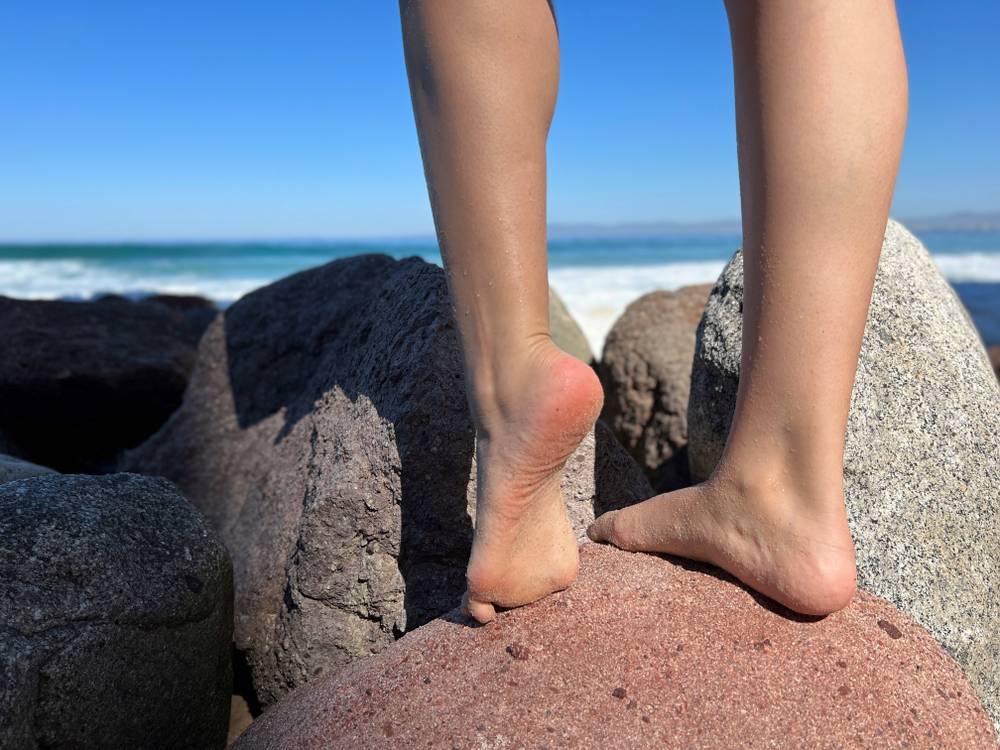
[379, 341]
[326, 435]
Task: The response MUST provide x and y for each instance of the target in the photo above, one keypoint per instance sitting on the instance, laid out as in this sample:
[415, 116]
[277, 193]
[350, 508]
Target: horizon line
[971, 221]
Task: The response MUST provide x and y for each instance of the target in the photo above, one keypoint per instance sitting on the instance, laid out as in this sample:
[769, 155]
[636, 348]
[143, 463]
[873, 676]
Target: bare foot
[790, 545]
[524, 548]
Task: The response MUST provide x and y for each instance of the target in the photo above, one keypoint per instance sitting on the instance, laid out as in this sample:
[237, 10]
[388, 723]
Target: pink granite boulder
[644, 652]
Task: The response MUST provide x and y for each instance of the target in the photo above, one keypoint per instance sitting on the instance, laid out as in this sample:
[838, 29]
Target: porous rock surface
[643, 653]
[115, 616]
[326, 435]
[14, 468]
[82, 381]
[646, 372]
[196, 312]
[922, 460]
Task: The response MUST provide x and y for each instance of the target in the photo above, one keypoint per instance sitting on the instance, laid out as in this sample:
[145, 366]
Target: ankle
[535, 381]
[813, 488]
[496, 381]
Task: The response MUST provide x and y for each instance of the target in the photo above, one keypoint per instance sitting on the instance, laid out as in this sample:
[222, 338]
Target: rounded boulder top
[644, 652]
[116, 616]
[12, 468]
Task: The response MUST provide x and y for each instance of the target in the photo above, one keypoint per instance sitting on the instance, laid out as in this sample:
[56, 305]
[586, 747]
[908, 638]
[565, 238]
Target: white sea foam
[596, 295]
[79, 279]
[969, 266]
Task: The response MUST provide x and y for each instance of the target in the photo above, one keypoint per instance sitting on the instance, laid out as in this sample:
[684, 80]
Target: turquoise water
[220, 269]
[597, 277]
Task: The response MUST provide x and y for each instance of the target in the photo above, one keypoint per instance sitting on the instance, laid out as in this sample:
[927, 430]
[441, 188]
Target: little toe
[608, 528]
[482, 612]
[600, 528]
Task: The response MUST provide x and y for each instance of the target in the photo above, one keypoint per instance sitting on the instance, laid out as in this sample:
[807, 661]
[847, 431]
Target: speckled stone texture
[994, 353]
[115, 617]
[82, 381]
[646, 372]
[922, 461]
[566, 332]
[326, 435]
[643, 653]
[14, 468]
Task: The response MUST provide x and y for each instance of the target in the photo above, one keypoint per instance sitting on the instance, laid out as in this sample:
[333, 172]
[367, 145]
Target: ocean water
[597, 277]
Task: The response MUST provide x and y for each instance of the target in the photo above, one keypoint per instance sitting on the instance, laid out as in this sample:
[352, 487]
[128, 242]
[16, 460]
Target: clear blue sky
[251, 119]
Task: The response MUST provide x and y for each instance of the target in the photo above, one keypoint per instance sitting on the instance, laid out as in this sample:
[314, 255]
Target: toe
[482, 612]
[603, 528]
[624, 528]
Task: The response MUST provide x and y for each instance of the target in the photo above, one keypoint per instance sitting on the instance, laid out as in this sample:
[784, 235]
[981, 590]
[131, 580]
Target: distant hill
[643, 229]
[956, 222]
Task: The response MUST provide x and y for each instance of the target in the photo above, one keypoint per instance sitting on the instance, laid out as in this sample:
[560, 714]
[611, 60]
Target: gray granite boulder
[115, 616]
[14, 468]
[646, 372]
[566, 332]
[922, 461]
[326, 435]
[82, 381]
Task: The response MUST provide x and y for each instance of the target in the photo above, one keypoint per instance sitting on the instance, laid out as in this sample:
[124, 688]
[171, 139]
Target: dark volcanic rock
[646, 372]
[115, 616]
[81, 381]
[994, 353]
[326, 435]
[196, 312]
[922, 456]
[14, 468]
[643, 653]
